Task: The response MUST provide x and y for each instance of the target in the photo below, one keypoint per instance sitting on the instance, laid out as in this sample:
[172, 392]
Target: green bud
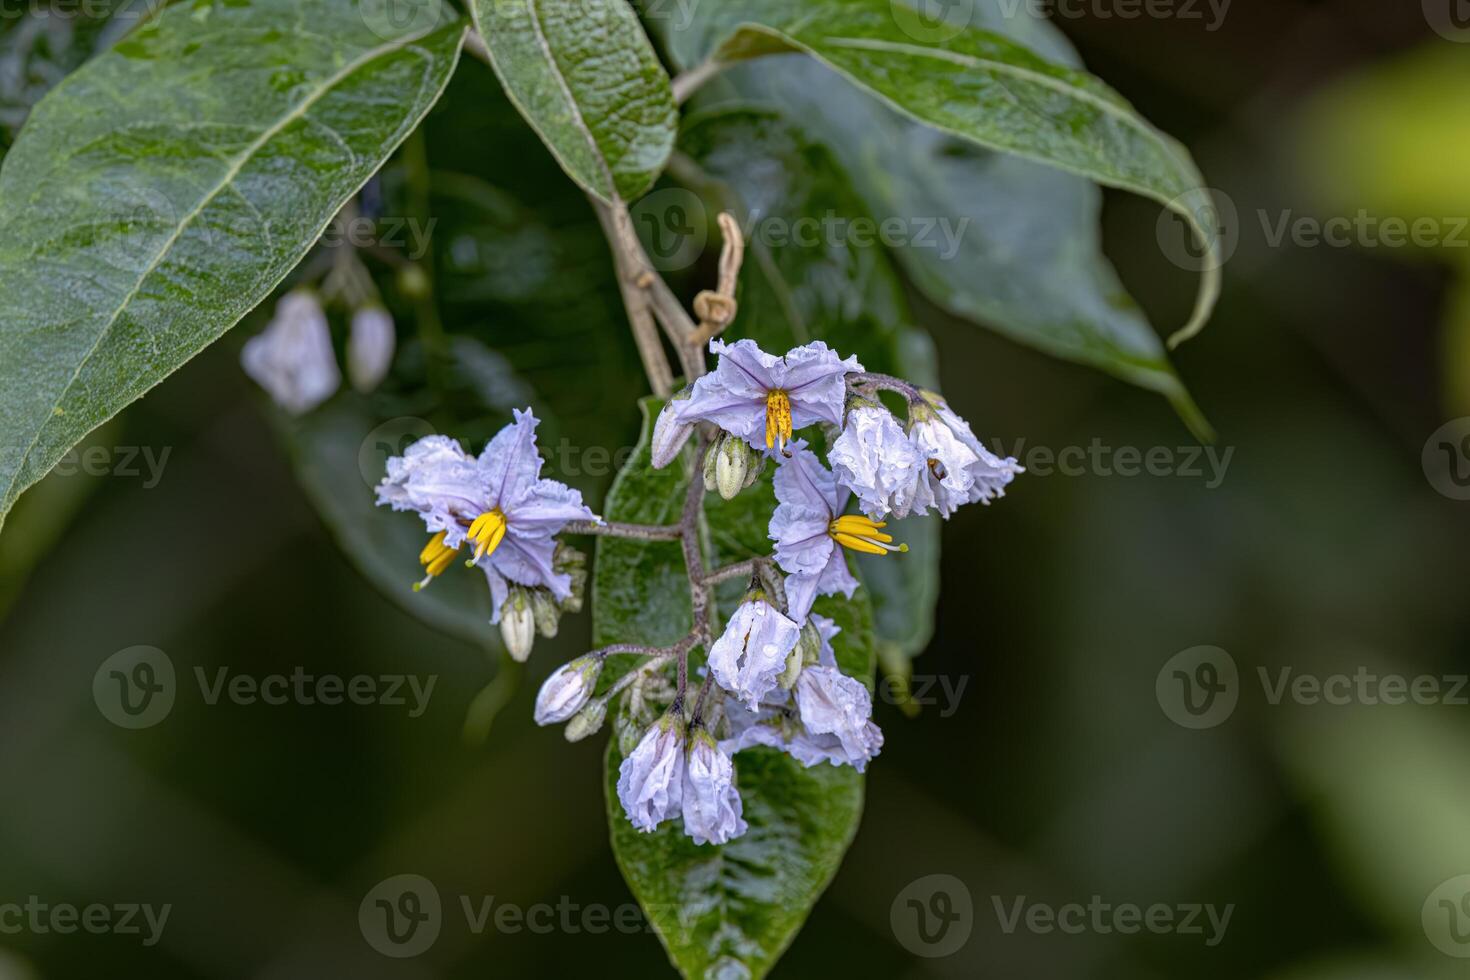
[711, 458]
[546, 612]
[588, 722]
[731, 466]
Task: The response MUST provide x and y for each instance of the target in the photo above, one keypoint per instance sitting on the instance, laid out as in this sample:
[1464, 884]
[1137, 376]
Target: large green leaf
[998, 239]
[977, 84]
[792, 293]
[585, 77]
[162, 191]
[729, 910]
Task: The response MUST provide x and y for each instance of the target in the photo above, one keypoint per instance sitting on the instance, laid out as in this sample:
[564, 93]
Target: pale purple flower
[651, 778]
[875, 460]
[957, 469]
[496, 502]
[370, 344]
[712, 807]
[763, 398]
[808, 526]
[292, 357]
[750, 655]
[567, 690]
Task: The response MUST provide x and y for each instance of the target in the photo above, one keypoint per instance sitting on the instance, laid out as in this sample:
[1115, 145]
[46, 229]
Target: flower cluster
[771, 677]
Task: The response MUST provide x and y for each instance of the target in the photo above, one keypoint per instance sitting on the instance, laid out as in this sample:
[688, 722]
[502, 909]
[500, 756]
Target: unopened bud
[370, 346]
[587, 722]
[629, 733]
[518, 625]
[669, 434]
[567, 690]
[546, 612]
[794, 665]
[732, 465]
[809, 643]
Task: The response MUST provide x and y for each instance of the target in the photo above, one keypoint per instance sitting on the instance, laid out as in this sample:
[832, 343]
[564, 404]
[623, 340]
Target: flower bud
[629, 733]
[567, 690]
[810, 643]
[546, 612]
[518, 625]
[711, 463]
[732, 465]
[587, 722]
[370, 347]
[669, 434]
[794, 663]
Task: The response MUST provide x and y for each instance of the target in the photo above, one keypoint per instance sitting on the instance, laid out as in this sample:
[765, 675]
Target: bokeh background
[1332, 543]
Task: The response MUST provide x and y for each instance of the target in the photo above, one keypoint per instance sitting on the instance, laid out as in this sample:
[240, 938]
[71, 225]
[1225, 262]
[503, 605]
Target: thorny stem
[635, 532]
[884, 382]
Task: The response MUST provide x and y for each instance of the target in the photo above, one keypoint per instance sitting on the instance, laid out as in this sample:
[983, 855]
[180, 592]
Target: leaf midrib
[231, 173]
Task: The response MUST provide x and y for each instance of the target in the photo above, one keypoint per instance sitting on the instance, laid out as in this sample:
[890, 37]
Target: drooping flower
[750, 655]
[808, 526]
[785, 721]
[292, 357]
[370, 344]
[567, 690]
[496, 503]
[875, 460]
[713, 813]
[763, 398]
[651, 778]
[957, 469]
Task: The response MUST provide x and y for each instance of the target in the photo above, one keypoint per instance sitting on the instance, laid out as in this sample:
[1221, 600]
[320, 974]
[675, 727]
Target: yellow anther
[433, 548]
[778, 420]
[487, 531]
[858, 533]
[435, 557]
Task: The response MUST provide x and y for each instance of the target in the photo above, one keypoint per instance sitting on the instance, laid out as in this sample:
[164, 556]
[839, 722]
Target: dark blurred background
[1328, 541]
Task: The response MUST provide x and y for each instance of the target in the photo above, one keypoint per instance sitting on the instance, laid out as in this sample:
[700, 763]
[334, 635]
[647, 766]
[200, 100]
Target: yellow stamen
[487, 531]
[778, 420]
[858, 533]
[435, 557]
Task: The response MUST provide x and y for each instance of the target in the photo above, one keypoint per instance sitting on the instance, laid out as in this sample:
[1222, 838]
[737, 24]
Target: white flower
[370, 346]
[875, 460]
[651, 778]
[957, 468]
[831, 703]
[567, 690]
[712, 807]
[518, 625]
[751, 654]
[292, 357]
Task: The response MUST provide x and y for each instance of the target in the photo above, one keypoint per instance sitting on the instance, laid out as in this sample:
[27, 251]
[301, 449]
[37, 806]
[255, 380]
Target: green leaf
[976, 84]
[587, 80]
[998, 239]
[834, 291]
[726, 910]
[164, 189]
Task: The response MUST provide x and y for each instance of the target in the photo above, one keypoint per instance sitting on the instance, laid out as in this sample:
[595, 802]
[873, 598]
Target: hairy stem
[618, 529]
